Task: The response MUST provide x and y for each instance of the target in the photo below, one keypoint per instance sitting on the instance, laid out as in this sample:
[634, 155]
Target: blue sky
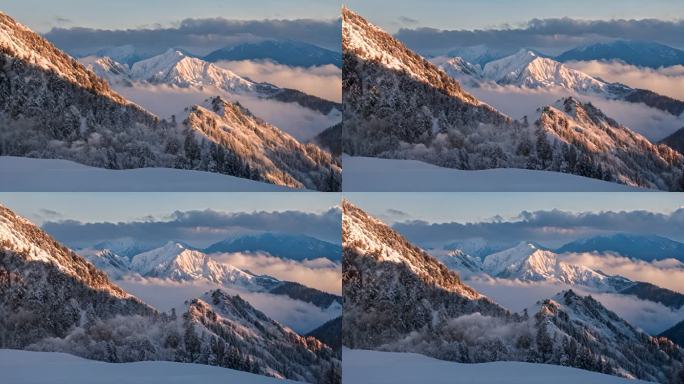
[474, 207]
[42, 15]
[116, 207]
[485, 14]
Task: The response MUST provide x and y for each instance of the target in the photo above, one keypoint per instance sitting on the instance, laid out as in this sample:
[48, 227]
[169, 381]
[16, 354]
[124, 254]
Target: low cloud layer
[321, 274]
[200, 36]
[667, 81]
[323, 81]
[166, 294]
[550, 35]
[650, 316]
[550, 228]
[164, 101]
[668, 273]
[200, 228]
[518, 102]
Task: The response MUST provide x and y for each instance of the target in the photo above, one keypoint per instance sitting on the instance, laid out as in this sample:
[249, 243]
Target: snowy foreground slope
[374, 174]
[360, 366]
[51, 175]
[24, 367]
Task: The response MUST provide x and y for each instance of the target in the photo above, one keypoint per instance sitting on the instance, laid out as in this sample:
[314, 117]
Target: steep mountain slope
[528, 262]
[330, 333]
[233, 327]
[594, 338]
[648, 291]
[294, 247]
[330, 139]
[53, 107]
[640, 53]
[259, 150]
[287, 52]
[398, 298]
[642, 247]
[676, 334]
[398, 105]
[675, 141]
[40, 279]
[463, 263]
[54, 300]
[392, 288]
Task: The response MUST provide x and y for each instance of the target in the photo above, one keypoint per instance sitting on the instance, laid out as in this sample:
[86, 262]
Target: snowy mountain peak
[370, 43]
[526, 68]
[21, 237]
[176, 68]
[20, 43]
[368, 236]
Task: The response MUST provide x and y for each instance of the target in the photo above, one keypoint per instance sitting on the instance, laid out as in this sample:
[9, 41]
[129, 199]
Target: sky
[478, 206]
[124, 207]
[486, 14]
[41, 15]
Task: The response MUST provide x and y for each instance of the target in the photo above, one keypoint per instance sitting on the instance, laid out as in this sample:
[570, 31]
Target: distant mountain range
[56, 108]
[179, 69]
[634, 52]
[286, 52]
[531, 263]
[639, 53]
[433, 119]
[385, 273]
[68, 305]
[175, 261]
[528, 69]
[641, 247]
[294, 247]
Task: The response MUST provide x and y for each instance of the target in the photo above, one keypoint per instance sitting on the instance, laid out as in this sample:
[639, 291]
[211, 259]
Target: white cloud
[164, 101]
[516, 295]
[518, 102]
[323, 81]
[664, 273]
[321, 273]
[667, 81]
[166, 294]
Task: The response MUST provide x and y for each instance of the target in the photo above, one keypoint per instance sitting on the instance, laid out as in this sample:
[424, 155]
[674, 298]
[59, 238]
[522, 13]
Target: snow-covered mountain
[392, 288]
[640, 53]
[286, 52]
[675, 141]
[463, 263]
[178, 69]
[529, 262]
[44, 280]
[176, 262]
[400, 106]
[62, 303]
[529, 69]
[54, 107]
[263, 343]
[641, 247]
[397, 298]
[259, 150]
[289, 246]
[478, 54]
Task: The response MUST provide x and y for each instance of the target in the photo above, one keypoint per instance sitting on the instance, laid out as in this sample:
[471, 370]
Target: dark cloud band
[201, 34]
[554, 35]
